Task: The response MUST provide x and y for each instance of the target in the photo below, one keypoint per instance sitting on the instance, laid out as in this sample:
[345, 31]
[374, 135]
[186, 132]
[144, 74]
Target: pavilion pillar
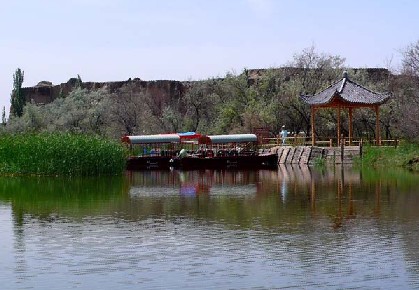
[338, 129]
[350, 126]
[313, 140]
[377, 126]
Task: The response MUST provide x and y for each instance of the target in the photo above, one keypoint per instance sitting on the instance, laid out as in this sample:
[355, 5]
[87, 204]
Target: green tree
[200, 100]
[310, 72]
[17, 99]
[234, 98]
[78, 81]
[3, 116]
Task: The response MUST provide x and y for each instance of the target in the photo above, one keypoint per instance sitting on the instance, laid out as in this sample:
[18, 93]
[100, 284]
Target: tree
[17, 98]
[78, 81]
[3, 116]
[317, 69]
[125, 108]
[406, 92]
[410, 60]
[234, 98]
[199, 101]
[308, 73]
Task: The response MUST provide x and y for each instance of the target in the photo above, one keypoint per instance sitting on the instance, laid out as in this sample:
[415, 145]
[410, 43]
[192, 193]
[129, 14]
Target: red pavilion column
[377, 126]
[338, 129]
[313, 140]
[350, 126]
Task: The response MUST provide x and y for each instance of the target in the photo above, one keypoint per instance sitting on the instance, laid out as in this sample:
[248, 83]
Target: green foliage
[236, 103]
[60, 154]
[3, 116]
[319, 162]
[80, 112]
[406, 155]
[17, 98]
[79, 82]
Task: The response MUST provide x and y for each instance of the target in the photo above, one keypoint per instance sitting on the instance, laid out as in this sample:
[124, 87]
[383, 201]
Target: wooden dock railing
[329, 142]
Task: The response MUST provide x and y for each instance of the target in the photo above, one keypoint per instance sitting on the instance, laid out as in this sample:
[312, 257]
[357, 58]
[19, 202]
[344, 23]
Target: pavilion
[346, 94]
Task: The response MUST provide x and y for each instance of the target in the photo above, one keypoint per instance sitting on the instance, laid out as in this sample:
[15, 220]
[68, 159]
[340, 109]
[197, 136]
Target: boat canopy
[152, 139]
[232, 138]
[178, 137]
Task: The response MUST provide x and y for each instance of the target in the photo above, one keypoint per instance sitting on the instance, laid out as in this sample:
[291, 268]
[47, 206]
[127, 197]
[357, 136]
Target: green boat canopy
[152, 139]
[232, 138]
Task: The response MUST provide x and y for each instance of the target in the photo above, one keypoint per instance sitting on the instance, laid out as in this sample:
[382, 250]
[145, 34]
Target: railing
[295, 141]
[383, 142]
[330, 142]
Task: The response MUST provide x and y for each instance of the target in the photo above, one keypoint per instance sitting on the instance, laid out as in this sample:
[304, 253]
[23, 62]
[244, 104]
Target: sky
[113, 40]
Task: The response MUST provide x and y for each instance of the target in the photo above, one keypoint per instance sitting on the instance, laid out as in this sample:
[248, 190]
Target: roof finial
[345, 74]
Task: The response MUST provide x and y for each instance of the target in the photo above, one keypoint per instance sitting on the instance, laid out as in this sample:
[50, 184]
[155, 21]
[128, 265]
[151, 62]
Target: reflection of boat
[236, 151]
[227, 162]
[191, 183]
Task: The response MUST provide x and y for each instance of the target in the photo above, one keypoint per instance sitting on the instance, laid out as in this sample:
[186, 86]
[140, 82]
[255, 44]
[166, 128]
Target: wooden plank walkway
[305, 156]
[309, 154]
[283, 153]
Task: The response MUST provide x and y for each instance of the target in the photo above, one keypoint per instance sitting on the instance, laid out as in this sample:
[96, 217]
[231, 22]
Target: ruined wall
[163, 90]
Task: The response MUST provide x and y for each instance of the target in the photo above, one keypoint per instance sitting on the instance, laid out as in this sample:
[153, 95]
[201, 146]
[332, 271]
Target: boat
[233, 151]
[156, 151]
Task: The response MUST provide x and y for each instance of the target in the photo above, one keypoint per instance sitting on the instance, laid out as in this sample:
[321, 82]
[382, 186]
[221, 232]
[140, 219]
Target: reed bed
[60, 154]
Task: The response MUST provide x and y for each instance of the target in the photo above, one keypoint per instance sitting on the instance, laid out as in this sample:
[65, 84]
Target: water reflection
[193, 183]
[49, 197]
[267, 197]
[295, 227]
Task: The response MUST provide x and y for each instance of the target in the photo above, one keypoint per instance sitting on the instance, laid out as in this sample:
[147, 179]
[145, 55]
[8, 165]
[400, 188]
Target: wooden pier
[309, 154]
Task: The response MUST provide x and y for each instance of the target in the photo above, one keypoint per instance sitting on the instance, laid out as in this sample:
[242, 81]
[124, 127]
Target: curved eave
[345, 99]
[357, 94]
[318, 99]
[345, 93]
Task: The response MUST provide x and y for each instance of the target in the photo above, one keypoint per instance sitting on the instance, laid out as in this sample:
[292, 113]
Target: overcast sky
[111, 40]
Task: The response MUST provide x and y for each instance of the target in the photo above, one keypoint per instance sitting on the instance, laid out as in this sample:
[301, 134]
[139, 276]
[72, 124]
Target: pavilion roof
[348, 92]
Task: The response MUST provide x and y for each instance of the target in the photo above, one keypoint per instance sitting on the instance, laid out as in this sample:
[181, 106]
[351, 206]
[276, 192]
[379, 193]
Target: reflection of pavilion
[340, 183]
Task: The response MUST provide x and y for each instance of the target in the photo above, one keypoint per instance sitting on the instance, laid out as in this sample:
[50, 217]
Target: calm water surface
[295, 227]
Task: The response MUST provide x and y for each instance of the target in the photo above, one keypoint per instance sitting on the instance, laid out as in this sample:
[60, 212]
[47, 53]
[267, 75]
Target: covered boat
[233, 151]
[151, 151]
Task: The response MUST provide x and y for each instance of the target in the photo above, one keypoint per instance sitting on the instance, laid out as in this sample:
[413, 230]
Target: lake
[295, 227]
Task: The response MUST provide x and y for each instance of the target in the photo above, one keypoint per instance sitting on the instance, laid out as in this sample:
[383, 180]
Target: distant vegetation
[236, 103]
[60, 154]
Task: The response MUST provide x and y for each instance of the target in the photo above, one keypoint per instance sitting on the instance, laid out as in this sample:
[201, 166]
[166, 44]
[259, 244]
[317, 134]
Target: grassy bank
[60, 154]
[406, 155]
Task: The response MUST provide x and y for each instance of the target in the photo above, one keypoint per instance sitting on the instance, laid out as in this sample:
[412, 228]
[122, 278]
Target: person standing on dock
[283, 134]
